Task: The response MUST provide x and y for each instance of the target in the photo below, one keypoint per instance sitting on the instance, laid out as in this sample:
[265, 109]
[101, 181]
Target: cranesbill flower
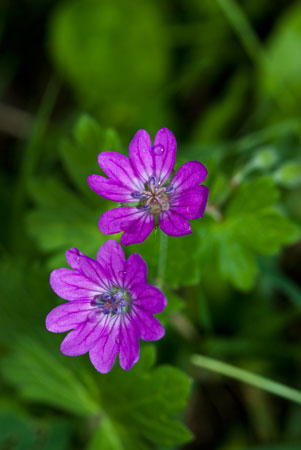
[110, 306]
[145, 180]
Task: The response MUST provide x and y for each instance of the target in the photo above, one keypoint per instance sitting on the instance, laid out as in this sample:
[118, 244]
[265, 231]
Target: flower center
[154, 198]
[116, 301]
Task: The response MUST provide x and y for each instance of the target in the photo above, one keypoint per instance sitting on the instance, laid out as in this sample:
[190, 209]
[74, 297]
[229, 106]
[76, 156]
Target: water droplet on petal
[121, 273]
[158, 149]
[118, 341]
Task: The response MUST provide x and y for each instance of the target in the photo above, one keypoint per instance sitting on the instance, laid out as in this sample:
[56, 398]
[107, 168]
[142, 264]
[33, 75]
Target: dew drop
[158, 149]
[121, 273]
[118, 341]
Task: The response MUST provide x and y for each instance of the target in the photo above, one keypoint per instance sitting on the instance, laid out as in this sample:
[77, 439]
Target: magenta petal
[129, 343]
[189, 175]
[164, 161]
[84, 337]
[135, 270]
[111, 257]
[71, 285]
[67, 316]
[148, 298]
[141, 156]
[72, 256]
[173, 224]
[118, 219]
[110, 189]
[93, 271]
[118, 167]
[139, 229]
[150, 329]
[103, 354]
[191, 204]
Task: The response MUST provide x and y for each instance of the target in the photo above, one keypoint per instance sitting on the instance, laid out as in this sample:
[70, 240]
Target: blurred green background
[79, 77]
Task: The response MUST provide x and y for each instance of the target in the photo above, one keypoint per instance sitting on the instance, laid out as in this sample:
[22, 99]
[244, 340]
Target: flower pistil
[154, 197]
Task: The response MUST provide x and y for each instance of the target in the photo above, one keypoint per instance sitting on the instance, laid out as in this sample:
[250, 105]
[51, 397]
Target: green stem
[162, 258]
[247, 377]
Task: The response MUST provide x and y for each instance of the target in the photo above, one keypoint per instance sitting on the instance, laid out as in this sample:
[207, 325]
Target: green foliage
[155, 398]
[224, 76]
[280, 73]
[250, 225]
[83, 34]
[20, 432]
[289, 174]
[40, 377]
[79, 155]
[63, 218]
[186, 273]
[139, 405]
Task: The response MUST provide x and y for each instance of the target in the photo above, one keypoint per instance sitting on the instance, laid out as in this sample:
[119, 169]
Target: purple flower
[110, 306]
[145, 180]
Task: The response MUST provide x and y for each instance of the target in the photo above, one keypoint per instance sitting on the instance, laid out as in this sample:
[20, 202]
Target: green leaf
[40, 377]
[174, 304]
[253, 197]
[265, 158]
[65, 218]
[111, 436]
[62, 220]
[148, 402]
[280, 71]
[82, 36]
[184, 249]
[79, 155]
[21, 432]
[26, 298]
[17, 428]
[289, 174]
[255, 220]
[268, 232]
[249, 225]
[237, 264]
[141, 405]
